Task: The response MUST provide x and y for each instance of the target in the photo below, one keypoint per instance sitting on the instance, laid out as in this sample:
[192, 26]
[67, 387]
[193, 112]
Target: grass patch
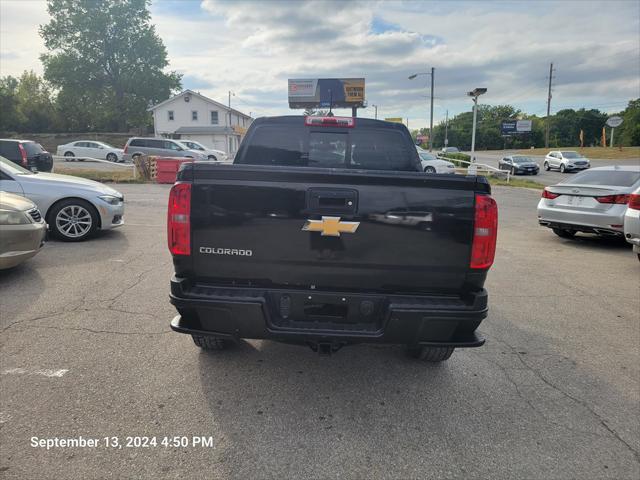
[104, 176]
[616, 153]
[516, 182]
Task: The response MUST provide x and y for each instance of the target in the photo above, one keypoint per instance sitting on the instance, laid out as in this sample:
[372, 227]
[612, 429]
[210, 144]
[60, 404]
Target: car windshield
[618, 178]
[12, 168]
[427, 156]
[571, 155]
[522, 159]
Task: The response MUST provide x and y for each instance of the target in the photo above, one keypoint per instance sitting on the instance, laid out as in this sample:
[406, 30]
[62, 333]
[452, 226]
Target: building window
[194, 115]
[214, 117]
[170, 115]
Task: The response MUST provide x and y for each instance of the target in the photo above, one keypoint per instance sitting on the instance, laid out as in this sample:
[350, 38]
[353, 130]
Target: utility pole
[546, 133]
[446, 130]
[473, 131]
[376, 107]
[431, 118]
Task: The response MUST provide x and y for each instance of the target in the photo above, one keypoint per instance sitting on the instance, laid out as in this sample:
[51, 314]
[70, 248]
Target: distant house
[190, 115]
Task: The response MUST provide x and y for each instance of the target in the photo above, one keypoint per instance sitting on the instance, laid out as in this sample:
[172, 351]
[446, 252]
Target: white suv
[565, 160]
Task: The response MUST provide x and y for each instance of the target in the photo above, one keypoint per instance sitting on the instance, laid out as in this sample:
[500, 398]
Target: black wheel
[429, 170]
[562, 168]
[639, 257]
[431, 354]
[563, 233]
[213, 158]
[68, 156]
[210, 343]
[73, 220]
[546, 166]
[112, 157]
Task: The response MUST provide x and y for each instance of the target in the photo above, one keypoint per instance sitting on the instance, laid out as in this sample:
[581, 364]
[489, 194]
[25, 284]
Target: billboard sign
[394, 120]
[326, 92]
[514, 127]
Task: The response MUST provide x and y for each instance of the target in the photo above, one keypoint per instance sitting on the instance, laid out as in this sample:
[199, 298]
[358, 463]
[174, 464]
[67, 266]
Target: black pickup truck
[326, 232]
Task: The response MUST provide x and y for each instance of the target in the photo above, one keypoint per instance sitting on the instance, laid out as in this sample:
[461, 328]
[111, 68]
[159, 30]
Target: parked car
[519, 164]
[312, 253]
[594, 201]
[161, 147]
[450, 150]
[22, 230]
[432, 164]
[75, 208]
[565, 160]
[27, 154]
[82, 149]
[632, 222]
[212, 154]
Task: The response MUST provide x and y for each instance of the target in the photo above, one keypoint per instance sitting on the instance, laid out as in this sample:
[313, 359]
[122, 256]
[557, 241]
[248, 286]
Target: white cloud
[252, 48]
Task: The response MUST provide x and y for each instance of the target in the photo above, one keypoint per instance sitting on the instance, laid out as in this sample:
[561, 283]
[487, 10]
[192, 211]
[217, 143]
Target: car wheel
[213, 158]
[639, 257]
[546, 166]
[430, 354]
[563, 233]
[429, 170]
[73, 220]
[562, 168]
[112, 157]
[68, 156]
[206, 342]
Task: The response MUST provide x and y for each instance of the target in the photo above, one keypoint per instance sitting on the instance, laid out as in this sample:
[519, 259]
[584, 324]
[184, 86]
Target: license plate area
[322, 311]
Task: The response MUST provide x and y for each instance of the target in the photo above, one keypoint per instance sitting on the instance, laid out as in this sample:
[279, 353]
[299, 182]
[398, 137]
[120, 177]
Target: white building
[192, 116]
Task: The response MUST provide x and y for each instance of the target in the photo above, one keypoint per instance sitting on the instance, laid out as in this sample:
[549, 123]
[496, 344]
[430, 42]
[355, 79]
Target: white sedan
[432, 164]
[215, 155]
[82, 149]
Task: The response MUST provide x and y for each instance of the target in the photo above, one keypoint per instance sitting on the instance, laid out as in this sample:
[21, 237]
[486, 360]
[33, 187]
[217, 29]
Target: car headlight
[10, 217]
[111, 199]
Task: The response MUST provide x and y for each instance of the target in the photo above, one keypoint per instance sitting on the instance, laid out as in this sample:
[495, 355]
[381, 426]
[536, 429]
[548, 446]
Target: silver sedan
[593, 201]
[632, 222]
[75, 208]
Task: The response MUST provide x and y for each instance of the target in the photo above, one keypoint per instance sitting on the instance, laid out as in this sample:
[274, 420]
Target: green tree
[107, 55]
[629, 131]
[35, 104]
[10, 117]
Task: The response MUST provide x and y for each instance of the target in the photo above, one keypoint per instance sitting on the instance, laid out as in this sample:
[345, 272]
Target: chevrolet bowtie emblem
[330, 226]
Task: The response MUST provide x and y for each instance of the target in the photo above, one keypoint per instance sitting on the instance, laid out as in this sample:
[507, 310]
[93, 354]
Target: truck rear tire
[210, 343]
[431, 354]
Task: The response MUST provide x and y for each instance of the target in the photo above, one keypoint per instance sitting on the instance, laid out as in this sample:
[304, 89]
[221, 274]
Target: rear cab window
[326, 147]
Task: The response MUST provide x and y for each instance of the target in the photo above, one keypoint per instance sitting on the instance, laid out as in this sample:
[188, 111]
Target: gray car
[161, 147]
[594, 201]
[75, 208]
[22, 230]
[565, 161]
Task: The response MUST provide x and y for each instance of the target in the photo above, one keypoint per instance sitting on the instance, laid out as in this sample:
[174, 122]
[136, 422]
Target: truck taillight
[616, 199]
[634, 201]
[345, 122]
[547, 194]
[179, 219]
[23, 154]
[485, 232]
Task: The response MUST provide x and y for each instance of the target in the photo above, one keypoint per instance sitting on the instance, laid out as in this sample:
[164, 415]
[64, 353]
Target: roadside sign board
[614, 121]
[513, 127]
[394, 119]
[326, 92]
[421, 138]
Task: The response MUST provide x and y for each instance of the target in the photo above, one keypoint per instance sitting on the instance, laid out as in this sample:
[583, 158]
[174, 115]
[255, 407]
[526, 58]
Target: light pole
[475, 93]
[376, 107]
[411, 77]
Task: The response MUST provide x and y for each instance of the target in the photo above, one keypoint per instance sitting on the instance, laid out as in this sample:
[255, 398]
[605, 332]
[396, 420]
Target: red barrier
[167, 168]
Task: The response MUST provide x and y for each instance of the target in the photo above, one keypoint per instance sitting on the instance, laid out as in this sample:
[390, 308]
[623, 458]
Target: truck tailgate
[397, 232]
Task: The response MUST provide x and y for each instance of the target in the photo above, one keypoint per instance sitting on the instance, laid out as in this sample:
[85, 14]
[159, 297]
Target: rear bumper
[583, 221]
[258, 313]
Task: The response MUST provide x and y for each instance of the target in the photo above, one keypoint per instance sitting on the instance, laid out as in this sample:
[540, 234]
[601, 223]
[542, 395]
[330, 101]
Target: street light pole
[446, 130]
[376, 107]
[432, 73]
[475, 93]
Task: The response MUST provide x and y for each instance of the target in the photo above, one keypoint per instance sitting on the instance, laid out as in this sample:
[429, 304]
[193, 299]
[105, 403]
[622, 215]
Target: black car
[519, 164]
[27, 154]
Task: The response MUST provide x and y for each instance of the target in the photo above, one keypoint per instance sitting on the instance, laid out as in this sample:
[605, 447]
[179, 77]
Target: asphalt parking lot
[86, 350]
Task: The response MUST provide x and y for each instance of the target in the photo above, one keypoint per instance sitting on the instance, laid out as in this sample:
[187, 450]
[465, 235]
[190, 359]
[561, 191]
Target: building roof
[205, 130]
[196, 94]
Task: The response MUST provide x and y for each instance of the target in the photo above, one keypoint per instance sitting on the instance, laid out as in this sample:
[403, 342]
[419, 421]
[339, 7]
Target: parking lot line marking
[45, 372]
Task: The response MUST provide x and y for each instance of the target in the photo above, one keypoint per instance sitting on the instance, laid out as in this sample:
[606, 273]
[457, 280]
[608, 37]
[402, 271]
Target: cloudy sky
[252, 48]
